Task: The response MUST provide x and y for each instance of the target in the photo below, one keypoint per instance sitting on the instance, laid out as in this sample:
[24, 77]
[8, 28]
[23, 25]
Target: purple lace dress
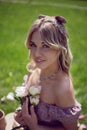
[54, 116]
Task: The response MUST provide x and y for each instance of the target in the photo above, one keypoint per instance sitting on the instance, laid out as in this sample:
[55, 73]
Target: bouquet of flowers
[20, 94]
[23, 91]
[32, 93]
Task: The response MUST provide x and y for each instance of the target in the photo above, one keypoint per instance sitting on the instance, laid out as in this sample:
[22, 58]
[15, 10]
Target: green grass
[15, 20]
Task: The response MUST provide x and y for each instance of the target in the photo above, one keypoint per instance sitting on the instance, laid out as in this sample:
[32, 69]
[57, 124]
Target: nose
[37, 52]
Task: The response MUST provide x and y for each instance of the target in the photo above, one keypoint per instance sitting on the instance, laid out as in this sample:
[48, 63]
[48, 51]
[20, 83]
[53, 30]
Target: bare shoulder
[64, 92]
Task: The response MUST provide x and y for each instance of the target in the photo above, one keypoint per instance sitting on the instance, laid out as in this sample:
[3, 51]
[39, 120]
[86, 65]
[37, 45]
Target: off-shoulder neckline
[48, 104]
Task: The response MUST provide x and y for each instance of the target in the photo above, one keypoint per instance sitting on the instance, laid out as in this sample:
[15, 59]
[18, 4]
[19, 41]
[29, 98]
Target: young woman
[51, 58]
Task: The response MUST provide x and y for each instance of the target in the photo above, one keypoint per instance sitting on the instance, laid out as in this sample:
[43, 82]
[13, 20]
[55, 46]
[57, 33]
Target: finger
[25, 107]
[25, 102]
[22, 121]
[17, 114]
[32, 111]
[18, 117]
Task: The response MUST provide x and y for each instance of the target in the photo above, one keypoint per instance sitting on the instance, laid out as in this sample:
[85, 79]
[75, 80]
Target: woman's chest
[48, 93]
[48, 88]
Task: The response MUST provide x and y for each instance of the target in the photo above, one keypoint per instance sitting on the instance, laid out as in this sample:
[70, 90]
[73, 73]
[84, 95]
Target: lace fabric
[52, 115]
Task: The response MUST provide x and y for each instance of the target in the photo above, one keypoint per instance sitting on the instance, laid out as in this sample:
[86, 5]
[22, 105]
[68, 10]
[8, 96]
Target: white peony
[21, 91]
[10, 96]
[34, 100]
[34, 90]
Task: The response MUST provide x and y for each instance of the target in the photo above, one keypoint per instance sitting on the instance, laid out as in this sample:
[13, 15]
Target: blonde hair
[54, 34]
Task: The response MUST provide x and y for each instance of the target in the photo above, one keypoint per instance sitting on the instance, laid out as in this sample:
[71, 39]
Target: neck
[49, 73]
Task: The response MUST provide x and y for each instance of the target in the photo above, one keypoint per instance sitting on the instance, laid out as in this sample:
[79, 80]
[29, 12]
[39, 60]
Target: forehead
[36, 37]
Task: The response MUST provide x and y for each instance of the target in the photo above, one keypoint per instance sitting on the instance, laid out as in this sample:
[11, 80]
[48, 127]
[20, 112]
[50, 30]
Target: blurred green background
[16, 17]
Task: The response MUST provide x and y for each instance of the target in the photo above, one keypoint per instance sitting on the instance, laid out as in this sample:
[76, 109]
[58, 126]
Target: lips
[39, 60]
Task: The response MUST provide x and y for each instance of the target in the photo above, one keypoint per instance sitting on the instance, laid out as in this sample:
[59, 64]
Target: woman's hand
[18, 117]
[29, 119]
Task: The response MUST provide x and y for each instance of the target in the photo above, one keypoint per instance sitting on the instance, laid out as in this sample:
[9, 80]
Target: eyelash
[43, 46]
[32, 45]
[46, 46]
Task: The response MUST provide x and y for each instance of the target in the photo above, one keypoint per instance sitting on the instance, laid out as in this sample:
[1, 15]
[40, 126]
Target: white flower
[3, 98]
[34, 100]
[10, 96]
[21, 91]
[19, 108]
[34, 90]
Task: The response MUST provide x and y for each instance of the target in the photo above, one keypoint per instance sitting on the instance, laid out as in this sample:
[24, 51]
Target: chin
[42, 67]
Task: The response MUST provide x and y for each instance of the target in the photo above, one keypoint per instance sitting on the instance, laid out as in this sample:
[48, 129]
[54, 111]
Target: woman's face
[43, 56]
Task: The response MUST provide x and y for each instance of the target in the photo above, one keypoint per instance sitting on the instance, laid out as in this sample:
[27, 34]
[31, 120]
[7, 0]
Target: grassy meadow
[15, 21]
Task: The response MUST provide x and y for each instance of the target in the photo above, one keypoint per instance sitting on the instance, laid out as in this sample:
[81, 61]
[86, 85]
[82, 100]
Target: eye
[32, 44]
[45, 46]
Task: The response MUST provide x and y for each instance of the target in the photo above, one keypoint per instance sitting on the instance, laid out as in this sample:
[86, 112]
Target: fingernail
[32, 106]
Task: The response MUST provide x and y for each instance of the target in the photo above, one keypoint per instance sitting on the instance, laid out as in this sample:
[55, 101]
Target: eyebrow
[34, 42]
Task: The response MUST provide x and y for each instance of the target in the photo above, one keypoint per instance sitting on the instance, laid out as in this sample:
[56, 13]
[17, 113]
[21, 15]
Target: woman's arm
[66, 99]
[71, 126]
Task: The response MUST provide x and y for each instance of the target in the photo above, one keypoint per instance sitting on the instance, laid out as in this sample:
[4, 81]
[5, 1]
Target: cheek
[52, 57]
[53, 54]
[31, 55]
[32, 52]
